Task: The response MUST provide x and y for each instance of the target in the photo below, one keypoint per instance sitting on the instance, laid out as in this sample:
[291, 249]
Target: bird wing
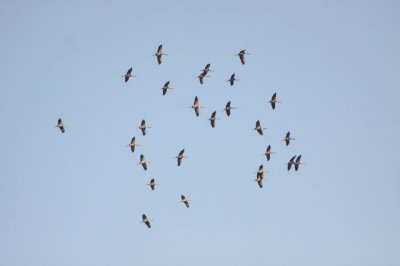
[298, 159]
[212, 123]
[129, 72]
[179, 161]
[207, 68]
[241, 56]
[197, 111]
[273, 97]
[181, 152]
[258, 124]
[59, 122]
[166, 84]
[143, 131]
[159, 50]
[159, 57]
[259, 130]
[273, 105]
[144, 166]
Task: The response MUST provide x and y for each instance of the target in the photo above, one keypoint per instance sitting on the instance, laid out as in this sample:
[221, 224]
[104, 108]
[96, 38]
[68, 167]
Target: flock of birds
[294, 161]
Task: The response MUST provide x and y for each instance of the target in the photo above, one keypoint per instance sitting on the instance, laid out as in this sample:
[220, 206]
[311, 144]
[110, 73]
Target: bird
[273, 101]
[291, 161]
[159, 54]
[241, 56]
[287, 138]
[268, 152]
[180, 157]
[228, 108]
[166, 87]
[152, 184]
[128, 75]
[258, 128]
[196, 106]
[297, 163]
[133, 144]
[213, 118]
[146, 221]
[260, 171]
[259, 180]
[143, 162]
[185, 201]
[143, 127]
[232, 79]
[60, 125]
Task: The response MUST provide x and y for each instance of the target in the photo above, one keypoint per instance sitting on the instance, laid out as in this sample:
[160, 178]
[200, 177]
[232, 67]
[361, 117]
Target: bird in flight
[128, 75]
[185, 201]
[60, 125]
[273, 101]
[232, 79]
[146, 221]
[258, 128]
[287, 138]
[159, 54]
[228, 108]
[241, 56]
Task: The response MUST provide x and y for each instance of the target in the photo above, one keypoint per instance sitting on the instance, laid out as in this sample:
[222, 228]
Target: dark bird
[133, 144]
[152, 184]
[258, 128]
[297, 163]
[60, 125]
[166, 87]
[128, 75]
[143, 162]
[213, 118]
[185, 201]
[274, 101]
[196, 107]
[291, 161]
[287, 138]
[232, 79]
[268, 152]
[228, 108]
[146, 221]
[180, 157]
[143, 127]
[241, 56]
[159, 54]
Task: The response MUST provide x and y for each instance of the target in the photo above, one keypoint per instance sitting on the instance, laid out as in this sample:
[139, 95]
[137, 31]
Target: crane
[128, 75]
[180, 157]
[273, 101]
[133, 144]
[213, 118]
[146, 220]
[258, 128]
[241, 56]
[185, 201]
[291, 161]
[287, 138]
[143, 127]
[232, 79]
[159, 54]
[268, 152]
[166, 87]
[228, 108]
[60, 125]
[143, 162]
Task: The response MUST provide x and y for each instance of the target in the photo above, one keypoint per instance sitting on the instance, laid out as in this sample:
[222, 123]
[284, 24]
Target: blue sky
[77, 198]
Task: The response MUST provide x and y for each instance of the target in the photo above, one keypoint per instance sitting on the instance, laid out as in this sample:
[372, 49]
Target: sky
[77, 198]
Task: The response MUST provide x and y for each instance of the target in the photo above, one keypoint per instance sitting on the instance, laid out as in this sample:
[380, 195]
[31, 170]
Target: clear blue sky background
[77, 198]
